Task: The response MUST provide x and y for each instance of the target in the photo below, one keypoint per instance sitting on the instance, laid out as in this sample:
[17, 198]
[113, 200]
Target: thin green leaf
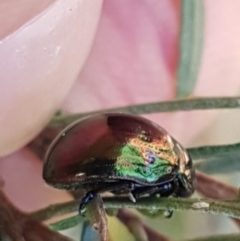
[66, 223]
[227, 208]
[191, 45]
[55, 210]
[216, 159]
[156, 107]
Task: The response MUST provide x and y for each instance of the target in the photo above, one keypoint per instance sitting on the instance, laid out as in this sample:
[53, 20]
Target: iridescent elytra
[121, 153]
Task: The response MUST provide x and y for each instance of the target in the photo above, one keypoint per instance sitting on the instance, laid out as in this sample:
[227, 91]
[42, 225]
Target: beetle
[121, 153]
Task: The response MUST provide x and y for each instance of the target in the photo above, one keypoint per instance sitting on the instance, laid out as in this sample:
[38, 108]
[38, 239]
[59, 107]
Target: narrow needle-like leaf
[187, 104]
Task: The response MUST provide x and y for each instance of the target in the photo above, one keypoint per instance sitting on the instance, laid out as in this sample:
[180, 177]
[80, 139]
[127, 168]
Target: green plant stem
[66, 223]
[216, 159]
[55, 210]
[228, 208]
[187, 104]
[191, 45]
[206, 152]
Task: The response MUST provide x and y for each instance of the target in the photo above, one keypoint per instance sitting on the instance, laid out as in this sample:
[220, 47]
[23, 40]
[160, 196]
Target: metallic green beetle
[120, 153]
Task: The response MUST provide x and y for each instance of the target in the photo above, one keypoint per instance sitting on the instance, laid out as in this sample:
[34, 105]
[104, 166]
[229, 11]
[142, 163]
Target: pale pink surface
[43, 47]
[22, 174]
[134, 56]
[133, 60]
[16, 13]
[39, 62]
[220, 69]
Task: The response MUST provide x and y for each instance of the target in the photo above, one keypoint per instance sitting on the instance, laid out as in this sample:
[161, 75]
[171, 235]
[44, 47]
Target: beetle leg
[88, 197]
[168, 213]
[166, 190]
[107, 188]
[150, 190]
[140, 192]
[131, 197]
[186, 188]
